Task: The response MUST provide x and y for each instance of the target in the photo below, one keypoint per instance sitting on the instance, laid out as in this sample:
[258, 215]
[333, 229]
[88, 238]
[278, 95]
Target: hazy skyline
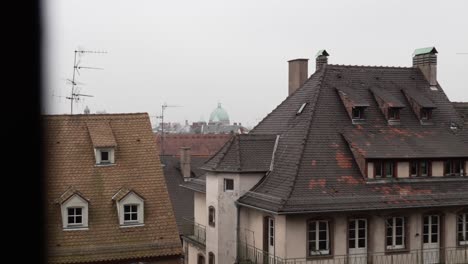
[197, 53]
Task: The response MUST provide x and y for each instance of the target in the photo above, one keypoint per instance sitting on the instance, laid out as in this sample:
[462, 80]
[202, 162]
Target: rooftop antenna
[75, 96]
[163, 107]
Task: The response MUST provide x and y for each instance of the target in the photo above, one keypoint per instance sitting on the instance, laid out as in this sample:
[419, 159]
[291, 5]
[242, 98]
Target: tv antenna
[163, 107]
[75, 94]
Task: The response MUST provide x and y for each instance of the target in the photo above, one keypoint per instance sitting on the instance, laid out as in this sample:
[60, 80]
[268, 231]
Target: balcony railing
[249, 255]
[193, 231]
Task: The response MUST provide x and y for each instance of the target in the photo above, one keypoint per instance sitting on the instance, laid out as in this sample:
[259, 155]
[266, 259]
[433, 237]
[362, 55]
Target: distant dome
[219, 115]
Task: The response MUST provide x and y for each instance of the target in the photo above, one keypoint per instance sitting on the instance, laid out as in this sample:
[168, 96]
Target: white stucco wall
[193, 252]
[437, 169]
[403, 169]
[251, 227]
[131, 198]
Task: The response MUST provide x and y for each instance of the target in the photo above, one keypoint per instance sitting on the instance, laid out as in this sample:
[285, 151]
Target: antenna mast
[76, 96]
[163, 107]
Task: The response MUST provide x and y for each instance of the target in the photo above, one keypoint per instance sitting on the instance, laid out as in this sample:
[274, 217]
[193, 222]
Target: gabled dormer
[130, 208]
[388, 104]
[421, 105]
[103, 141]
[354, 104]
[74, 210]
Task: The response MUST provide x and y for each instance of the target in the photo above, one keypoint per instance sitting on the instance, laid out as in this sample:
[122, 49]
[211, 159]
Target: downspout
[237, 232]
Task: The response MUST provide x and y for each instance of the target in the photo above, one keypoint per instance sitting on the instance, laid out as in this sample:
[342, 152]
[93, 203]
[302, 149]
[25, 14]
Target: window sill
[131, 225]
[417, 179]
[104, 164]
[78, 228]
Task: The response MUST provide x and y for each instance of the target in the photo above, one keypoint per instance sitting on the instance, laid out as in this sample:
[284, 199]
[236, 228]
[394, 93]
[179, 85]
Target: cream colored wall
[193, 254]
[437, 169]
[280, 236]
[251, 227]
[403, 169]
[200, 208]
[370, 170]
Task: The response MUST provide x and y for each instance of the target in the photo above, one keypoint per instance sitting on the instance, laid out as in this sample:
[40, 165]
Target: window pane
[126, 217]
[352, 243]
[71, 211]
[352, 233]
[426, 229]
[434, 229]
[399, 240]
[312, 226]
[362, 233]
[78, 211]
[126, 208]
[434, 238]
[424, 168]
[457, 166]
[378, 169]
[322, 226]
[389, 241]
[78, 220]
[322, 245]
[323, 235]
[134, 216]
[414, 168]
[104, 155]
[351, 225]
[362, 224]
[399, 231]
[446, 167]
[71, 220]
[312, 245]
[435, 219]
[362, 243]
[399, 221]
[389, 169]
[426, 238]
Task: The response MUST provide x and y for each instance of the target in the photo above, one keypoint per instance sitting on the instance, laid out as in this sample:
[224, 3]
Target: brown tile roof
[101, 133]
[314, 167]
[200, 144]
[70, 162]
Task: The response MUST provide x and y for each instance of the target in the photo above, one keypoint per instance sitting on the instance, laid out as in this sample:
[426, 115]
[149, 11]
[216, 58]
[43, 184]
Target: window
[357, 233]
[318, 238]
[271, 231]
[228, 184]
[462, 229]
[200, 259]
[130, 213]
[419, 168]
[384, 169]
[453, 168]
[211, 258]
[104, 155]
[393, 113]
[395, 232]
[358, 113]
[211, 216]
[431, 229]
[75, 216]
[426, 114]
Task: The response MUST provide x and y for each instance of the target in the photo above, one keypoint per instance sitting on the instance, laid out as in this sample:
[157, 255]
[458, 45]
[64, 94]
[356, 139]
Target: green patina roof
[425, 51]
[322, 53]
[219, 115]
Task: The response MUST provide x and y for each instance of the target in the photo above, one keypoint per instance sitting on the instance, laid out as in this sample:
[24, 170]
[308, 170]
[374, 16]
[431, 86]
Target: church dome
[219, 115]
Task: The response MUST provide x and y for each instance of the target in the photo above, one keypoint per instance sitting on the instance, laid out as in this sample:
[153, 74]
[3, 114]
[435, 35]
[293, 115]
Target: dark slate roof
[199, 144]
[181, 198]
[314, 168]
[243, 153]
[352, 97]
[419, 98]
[462, 109]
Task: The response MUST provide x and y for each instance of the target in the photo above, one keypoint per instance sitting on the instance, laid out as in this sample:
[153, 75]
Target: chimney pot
[321, 58]
[185, 162]
[298, 74]
[426, 60]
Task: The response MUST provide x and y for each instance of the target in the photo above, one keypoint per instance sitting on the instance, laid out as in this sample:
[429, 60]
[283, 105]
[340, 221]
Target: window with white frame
[462, 229]
[318, 237]
[211, 216]
[395, 232]
[104, 156]
[130, 213]
[74, 213]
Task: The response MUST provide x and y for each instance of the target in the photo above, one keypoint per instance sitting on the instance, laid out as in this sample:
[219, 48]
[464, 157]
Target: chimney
[298, 73]
[185, 162]
[321, 58]
[426, 60]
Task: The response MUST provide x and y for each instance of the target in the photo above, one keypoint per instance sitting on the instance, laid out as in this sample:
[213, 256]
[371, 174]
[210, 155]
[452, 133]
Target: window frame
[131, 213]
[404, 226]
[450, 165]
[383, 169]
[110, 158]
[211, 216]
[329, 236]
[226, 180]
[463, 216]
[359, 110]
[393, 113]
[426, 114]
[419, 168]
[81, 215]
[211, 258]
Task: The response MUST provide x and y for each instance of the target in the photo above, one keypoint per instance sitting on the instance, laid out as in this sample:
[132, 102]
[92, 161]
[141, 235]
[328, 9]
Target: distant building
[106, 193]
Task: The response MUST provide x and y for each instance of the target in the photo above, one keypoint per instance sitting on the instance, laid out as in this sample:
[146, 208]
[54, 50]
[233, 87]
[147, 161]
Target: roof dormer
[421, 105]
[388, 104]
[74, 210]
[103, 141]
[354, 105]
[130, 208]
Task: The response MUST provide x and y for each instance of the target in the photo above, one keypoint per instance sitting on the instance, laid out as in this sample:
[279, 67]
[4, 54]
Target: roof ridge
[280, 104]
[369, 66]
[306, 136]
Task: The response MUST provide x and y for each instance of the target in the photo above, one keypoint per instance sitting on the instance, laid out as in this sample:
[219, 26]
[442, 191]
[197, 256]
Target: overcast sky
[197, 53]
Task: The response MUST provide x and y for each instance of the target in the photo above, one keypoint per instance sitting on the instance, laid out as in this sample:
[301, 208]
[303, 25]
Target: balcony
[249, 255]
[193, 232]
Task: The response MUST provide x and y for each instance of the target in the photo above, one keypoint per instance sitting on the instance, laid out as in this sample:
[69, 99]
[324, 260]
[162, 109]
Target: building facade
[359, 164]
[107, 198]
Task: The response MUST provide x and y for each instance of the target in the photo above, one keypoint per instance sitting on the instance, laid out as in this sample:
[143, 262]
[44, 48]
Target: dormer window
[74, 209]
[130, 208]
[130, 213]
[426, 114]
[393, 113]
[453, 167]
[358, 113]
[104, 156]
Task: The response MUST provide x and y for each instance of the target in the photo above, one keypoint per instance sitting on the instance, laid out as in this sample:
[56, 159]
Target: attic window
[393, 113]
[104, 156]
[358, 113]
[301, 109]
[426, 114]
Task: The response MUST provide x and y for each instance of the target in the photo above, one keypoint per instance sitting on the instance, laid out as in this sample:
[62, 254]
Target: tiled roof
[315, 169]
[243, 153]
[101, 134]
[419, 98]
[70, 161]
[462, 109]
[199, 144]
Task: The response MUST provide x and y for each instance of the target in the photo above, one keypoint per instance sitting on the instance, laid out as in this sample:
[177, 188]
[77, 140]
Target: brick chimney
[298, 73]
[426, 60]
[185, 162]
[321, 58]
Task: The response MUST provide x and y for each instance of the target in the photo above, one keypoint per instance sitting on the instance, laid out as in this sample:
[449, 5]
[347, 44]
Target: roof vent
[453, 126]
[434, 88]
[301, 109]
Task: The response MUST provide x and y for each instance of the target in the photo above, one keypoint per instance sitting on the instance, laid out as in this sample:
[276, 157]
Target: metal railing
[455, 255]
[193, 230]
